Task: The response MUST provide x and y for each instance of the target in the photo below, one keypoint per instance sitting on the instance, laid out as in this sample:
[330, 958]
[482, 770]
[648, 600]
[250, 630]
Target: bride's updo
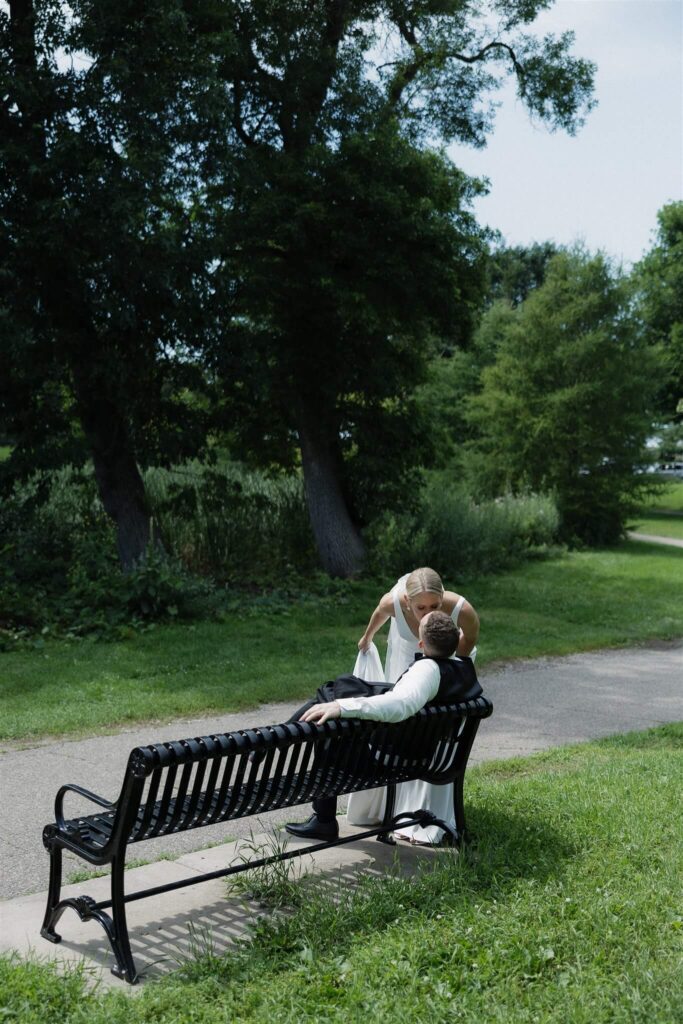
[423, 581]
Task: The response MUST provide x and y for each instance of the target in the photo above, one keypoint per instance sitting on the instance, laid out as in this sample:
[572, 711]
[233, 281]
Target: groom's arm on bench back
[413, 690]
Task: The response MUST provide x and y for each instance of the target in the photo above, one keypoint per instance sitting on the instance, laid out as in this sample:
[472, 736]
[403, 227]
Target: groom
[434, 676]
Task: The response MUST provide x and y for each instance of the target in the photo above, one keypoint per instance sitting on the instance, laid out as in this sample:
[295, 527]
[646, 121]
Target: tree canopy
[659, 285]
[567, 404]
[104, 269]
[350, 245]
[250, 197]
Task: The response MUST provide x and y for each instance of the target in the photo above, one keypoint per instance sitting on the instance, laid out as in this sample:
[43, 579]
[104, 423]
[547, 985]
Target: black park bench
[186, 784]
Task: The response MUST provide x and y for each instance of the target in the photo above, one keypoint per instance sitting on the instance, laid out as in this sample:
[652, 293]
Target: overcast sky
[604, 185]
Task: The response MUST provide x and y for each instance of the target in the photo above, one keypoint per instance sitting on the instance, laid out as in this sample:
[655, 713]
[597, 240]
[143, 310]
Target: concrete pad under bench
[167, 929]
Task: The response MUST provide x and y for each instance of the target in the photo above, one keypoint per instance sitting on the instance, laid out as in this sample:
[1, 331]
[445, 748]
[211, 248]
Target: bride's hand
[364, 644]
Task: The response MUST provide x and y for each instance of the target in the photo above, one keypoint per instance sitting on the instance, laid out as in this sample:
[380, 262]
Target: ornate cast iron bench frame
[186, 784]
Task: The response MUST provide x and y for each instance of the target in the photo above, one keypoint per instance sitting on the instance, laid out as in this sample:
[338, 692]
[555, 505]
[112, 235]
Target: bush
[59, 569]
[239, 526]
[461, 537]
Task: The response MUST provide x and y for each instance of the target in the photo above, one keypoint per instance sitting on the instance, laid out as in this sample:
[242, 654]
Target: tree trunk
[338, 541]
[119, 482]
[123, 496]
[118, 478]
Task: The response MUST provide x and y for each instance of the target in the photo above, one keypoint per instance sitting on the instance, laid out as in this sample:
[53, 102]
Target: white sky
[604, 185]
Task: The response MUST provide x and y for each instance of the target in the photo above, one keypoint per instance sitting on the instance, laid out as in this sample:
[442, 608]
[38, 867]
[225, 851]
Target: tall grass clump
[460, 535]
[234, 524]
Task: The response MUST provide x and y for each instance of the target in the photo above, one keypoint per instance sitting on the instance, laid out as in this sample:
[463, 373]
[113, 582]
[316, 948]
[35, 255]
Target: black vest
[458, 679]
[458, 682]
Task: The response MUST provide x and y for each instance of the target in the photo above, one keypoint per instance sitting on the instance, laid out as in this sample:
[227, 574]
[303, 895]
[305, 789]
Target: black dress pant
[325, 808]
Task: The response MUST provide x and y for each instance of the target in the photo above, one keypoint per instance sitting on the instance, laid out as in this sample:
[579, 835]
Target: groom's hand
[320, 713]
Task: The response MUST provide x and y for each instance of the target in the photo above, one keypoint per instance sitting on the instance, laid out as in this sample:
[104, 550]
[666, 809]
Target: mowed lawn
[663, 515]
[579, 601]
[670, 498]
[565, 909]
[660, 526]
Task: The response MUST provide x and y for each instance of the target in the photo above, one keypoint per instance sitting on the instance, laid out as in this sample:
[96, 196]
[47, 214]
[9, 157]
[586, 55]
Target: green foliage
[334, 249]
[275, 885]
[103, 269]
[568, 403]
[460, 536]
[668, 499]
[515, 271]
[658, 280]
[338, 209]
[236, 525]
[442, 400]
[59, 570]
[245, 197]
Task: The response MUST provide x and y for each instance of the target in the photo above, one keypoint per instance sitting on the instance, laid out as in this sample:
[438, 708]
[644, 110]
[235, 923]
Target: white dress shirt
[411, 692]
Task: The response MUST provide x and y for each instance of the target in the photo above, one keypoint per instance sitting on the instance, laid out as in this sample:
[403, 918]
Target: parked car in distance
[674, 469]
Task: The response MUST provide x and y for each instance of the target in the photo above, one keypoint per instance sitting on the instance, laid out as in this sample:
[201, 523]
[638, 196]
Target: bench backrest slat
[160, 815]
[205, 803]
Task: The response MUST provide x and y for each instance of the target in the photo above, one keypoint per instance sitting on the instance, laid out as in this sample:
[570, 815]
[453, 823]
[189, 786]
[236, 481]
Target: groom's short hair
[440, 634]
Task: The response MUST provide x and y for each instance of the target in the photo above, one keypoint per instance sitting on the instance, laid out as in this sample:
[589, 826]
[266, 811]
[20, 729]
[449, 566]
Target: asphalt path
[540, 703]
[651, 538]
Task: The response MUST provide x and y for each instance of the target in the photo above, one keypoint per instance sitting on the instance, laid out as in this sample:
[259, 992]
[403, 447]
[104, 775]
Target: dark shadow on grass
[399, 883]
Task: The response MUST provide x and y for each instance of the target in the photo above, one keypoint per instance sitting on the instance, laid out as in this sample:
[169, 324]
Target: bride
[411, 598]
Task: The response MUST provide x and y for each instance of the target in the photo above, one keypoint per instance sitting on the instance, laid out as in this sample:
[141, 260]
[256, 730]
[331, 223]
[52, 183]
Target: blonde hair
[423, 581]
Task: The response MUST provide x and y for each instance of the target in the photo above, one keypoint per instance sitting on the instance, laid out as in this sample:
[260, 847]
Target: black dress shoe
[314, 829]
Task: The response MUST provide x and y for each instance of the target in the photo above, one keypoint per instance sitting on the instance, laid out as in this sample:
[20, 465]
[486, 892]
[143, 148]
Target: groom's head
[439, 635]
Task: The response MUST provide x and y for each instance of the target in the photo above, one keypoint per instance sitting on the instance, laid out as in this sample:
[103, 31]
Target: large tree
[659, 286]
[514, 271]
[348, 245]
[105, 111]
[568, 402]
[295, 136]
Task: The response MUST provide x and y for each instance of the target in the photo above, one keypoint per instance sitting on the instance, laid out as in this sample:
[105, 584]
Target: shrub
[240, 526]
[459, 536]
[59, 568]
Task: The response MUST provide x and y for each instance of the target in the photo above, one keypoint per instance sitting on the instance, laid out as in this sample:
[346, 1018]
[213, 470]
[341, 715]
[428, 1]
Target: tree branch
[242, 134]
[423, 58]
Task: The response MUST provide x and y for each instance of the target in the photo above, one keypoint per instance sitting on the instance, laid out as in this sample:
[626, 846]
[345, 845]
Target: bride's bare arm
[383, 611]
[468, 621]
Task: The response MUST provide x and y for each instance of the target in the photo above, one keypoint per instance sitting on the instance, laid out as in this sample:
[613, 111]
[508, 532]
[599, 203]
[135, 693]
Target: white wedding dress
[367, 808]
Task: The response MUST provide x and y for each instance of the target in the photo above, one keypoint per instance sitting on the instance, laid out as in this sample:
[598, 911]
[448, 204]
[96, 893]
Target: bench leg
[88, 910]
[54, 889]
[390, 803]
[120, 943]
[459, 808]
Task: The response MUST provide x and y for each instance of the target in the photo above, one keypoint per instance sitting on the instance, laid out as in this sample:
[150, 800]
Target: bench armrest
[59, 799]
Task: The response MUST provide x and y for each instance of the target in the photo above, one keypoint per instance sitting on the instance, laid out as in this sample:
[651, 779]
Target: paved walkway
[652, 538]
[538, 704]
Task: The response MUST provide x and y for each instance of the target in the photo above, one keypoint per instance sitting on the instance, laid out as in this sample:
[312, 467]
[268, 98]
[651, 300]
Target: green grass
[565, 910]
[580, 601]
[670, 499]
[662, 516]
[661, 526]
